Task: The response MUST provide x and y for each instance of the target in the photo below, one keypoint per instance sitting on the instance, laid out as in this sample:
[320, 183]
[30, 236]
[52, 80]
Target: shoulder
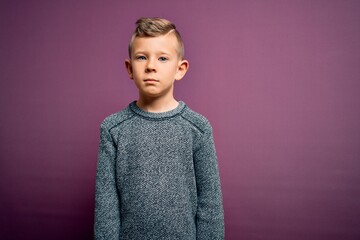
[116, 119]
[196, 119]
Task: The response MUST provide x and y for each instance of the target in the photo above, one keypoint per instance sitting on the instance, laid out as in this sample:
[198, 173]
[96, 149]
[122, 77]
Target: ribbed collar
[160, 115]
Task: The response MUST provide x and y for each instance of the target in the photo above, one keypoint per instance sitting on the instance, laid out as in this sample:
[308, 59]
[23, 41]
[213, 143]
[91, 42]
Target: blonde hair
[154, 27]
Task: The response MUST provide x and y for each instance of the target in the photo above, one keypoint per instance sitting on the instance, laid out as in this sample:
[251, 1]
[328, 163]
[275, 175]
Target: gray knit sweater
[157, 177]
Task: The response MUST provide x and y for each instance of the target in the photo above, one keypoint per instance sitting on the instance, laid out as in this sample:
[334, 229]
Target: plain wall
[279, 80]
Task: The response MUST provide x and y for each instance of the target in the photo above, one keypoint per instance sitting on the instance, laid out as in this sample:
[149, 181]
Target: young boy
[157, 175]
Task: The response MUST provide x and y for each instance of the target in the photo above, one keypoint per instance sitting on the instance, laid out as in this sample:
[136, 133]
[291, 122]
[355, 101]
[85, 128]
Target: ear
[182, 69]
[128, 67]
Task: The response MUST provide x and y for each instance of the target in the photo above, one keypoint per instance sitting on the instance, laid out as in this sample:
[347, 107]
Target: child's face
[154, 65]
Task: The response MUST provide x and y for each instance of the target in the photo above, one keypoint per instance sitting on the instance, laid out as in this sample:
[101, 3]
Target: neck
[157, 105]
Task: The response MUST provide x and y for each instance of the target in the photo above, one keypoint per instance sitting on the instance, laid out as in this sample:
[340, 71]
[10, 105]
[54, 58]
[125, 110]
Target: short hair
[154, 27]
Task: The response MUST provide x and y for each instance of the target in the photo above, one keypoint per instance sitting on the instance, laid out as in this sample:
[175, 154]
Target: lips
[150, 80]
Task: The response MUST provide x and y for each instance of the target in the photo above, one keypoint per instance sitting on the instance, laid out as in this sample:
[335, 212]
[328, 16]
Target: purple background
[279, 81]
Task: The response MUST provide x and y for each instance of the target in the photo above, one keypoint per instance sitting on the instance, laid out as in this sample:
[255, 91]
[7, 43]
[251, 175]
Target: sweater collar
[161, 115]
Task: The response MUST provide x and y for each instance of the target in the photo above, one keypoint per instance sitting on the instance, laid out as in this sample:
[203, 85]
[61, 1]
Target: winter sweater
[157, 177]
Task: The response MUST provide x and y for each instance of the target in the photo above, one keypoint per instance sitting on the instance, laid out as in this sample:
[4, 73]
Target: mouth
[150, 80]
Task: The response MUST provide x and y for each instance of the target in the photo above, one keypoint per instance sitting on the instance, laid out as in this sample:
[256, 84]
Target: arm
[107, 217]
[210, 214]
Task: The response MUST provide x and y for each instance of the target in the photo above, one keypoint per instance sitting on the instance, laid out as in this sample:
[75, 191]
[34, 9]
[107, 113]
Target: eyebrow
[158, 53]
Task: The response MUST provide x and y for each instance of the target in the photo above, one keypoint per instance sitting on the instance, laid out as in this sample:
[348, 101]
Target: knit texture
[157, 177]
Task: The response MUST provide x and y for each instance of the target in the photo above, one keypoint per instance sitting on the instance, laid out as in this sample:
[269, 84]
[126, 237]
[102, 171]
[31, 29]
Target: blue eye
[140, 58]
[163, 59]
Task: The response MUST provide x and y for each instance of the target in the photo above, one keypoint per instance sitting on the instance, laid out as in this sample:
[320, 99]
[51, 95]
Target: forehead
[164, 43]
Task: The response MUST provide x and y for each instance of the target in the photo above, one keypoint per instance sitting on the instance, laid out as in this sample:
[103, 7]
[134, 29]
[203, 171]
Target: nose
[150, 66]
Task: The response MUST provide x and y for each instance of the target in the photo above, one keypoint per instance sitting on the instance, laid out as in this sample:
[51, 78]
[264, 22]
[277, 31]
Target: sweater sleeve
[107, 217]
[210, 214]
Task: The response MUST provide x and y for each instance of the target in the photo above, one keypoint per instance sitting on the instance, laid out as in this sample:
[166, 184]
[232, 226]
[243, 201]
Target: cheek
[137, 72]
[174, 69]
